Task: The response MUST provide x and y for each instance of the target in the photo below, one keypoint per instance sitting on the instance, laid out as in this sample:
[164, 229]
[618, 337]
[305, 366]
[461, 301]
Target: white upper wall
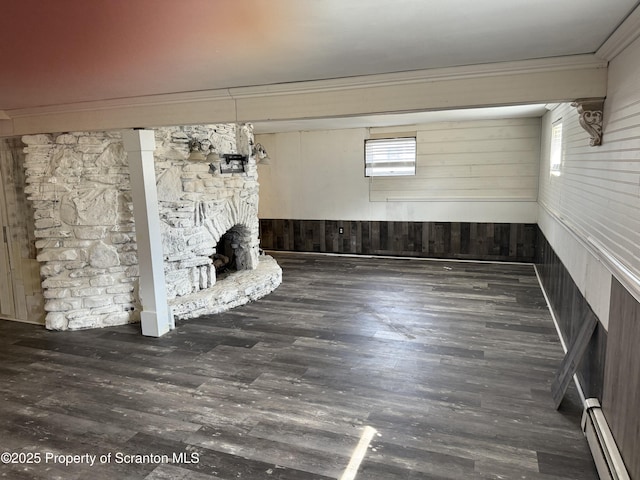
[485, 160]
[591, 212]
[320, 175]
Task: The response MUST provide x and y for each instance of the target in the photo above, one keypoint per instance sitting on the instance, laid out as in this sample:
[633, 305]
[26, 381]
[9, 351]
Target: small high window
[390, 157]
[555, 154]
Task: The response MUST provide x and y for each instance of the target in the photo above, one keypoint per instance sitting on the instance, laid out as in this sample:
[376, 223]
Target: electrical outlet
[340, 230]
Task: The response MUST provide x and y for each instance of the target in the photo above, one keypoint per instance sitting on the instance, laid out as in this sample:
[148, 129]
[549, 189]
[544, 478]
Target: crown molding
[573, 62]
[622, 37]
[117, 103]
[552, 64]
[4, 116]
[506, 83]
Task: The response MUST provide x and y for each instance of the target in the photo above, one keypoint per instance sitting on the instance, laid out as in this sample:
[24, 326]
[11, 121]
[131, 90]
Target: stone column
[156, 317]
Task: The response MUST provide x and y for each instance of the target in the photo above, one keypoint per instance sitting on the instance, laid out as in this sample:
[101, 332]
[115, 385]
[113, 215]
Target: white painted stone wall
[80, 189]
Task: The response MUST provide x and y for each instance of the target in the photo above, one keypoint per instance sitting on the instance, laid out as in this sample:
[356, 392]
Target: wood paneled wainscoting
[622, 376]
[460, 240]
[571, 311]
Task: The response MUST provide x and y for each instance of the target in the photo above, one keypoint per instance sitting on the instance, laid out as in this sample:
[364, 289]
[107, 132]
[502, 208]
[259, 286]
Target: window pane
[390, 156]
[555, 155]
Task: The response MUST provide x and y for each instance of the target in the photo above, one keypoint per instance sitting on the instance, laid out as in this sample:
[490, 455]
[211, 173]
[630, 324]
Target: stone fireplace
[80, 189]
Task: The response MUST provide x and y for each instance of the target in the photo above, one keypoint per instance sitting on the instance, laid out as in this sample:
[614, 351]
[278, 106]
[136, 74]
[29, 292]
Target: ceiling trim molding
[387, 79]
[143, 100]
[622, 37]
[442, 94]
[552, 64]
[507, 83]
[4, 116]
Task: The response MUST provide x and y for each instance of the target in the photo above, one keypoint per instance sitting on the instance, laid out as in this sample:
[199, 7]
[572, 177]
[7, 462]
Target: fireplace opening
[228, 257]
[224, 260]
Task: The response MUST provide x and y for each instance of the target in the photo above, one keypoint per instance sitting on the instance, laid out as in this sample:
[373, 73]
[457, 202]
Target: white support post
[156, 315]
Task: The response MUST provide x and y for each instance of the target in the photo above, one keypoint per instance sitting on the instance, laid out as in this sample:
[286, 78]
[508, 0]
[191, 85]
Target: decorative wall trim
[590, 111]
[622, 37]
[540, 65]
[619, 270]
[528, 81]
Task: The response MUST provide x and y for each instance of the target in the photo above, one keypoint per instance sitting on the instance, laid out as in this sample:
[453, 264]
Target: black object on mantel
[233, 163]
[572, 359]
[235, 157]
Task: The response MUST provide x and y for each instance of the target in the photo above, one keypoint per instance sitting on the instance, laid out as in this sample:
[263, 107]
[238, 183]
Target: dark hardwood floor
[450, 362]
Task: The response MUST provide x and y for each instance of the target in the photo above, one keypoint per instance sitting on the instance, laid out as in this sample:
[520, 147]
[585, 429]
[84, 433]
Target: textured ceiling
[66, 51]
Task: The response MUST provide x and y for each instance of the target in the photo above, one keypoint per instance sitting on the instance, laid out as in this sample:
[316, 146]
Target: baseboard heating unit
[603, 447]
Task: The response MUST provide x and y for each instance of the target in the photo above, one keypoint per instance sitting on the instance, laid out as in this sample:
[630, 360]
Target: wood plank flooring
[450, 362]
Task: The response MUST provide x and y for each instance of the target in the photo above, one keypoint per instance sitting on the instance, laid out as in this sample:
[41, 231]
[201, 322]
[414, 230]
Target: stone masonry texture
[80, 189]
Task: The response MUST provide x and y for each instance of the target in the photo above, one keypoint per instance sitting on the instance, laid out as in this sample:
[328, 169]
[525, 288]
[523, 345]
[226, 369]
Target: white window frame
[555, 149]
[390, 157]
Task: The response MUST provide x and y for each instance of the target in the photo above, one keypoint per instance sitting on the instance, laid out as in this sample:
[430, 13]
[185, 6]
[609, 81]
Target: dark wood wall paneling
[572, 310]
[622, 376]
[460, 240]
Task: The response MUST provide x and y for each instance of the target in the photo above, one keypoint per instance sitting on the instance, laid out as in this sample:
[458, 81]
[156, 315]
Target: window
[390, 157]
[555, 155]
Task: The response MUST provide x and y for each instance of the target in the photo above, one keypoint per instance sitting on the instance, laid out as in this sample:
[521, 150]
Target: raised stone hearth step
[237, 289]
